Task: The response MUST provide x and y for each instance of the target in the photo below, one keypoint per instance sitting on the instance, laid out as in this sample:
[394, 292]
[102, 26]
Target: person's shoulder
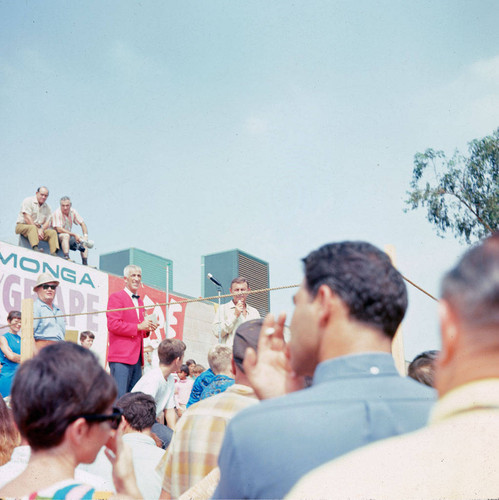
[417, 390]
[119, 295]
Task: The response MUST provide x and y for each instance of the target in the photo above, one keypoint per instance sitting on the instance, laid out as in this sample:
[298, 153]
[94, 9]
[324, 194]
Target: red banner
[151, 297]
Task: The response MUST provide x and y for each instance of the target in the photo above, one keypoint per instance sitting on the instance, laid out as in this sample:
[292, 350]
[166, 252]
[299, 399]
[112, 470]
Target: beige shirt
[39, 214]
[230, 321]
[455, 457]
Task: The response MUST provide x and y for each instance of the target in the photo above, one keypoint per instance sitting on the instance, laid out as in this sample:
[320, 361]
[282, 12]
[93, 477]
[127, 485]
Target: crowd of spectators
[250, 426]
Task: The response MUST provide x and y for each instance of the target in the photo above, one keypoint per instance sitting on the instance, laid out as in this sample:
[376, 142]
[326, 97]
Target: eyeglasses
[115, 417]
[46, 287]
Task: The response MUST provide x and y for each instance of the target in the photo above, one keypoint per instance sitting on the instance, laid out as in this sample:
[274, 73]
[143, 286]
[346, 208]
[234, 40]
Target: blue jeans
[163, 432]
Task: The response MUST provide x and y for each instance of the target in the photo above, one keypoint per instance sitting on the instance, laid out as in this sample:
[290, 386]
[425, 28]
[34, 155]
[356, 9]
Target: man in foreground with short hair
[127, 330]
[139, 414]
[62, 221]
[33, 221]
[347, 311]
[197, 439]
[160, 384]
[457, 455]
[234, 313]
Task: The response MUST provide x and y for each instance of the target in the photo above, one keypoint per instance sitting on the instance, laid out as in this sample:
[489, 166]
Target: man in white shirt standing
[160, 384]
[234, 313]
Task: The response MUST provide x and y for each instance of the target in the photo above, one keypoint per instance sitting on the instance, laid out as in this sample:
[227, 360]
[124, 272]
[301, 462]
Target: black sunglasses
[46, 287]
[115, 417]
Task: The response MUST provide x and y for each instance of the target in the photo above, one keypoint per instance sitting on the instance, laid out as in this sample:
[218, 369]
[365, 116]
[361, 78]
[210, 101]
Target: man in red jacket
[126, 332]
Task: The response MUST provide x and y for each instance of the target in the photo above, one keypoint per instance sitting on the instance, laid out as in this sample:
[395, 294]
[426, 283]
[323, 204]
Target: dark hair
[364, 278]
[139, 409]
[472, 286]
[62, 381]
[87, 334]
[185, 369]
[169, 350]
[9, 436]
[12, 315]
[422, 368]
[240, 280]
[43, 187]
[190, 362]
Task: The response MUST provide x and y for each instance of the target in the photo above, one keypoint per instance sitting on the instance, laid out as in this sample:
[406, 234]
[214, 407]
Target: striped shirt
[193, 451]
[66, 221]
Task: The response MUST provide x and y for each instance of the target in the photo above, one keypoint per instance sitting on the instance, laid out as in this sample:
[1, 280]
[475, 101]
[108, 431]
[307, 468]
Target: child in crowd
[87, 339]
[183, 387]
[190, 364]
[196, 371]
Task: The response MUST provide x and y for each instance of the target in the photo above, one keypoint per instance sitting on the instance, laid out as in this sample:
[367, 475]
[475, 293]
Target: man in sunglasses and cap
[47, 329]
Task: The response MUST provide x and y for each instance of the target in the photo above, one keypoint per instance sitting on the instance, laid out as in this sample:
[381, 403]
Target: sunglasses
[46, 287]
[114, 417]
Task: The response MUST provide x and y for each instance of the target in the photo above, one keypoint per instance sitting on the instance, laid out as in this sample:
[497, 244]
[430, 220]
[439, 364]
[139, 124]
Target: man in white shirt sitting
[160, 384]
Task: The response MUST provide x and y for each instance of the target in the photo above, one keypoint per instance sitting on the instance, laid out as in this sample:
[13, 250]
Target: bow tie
[135, 296]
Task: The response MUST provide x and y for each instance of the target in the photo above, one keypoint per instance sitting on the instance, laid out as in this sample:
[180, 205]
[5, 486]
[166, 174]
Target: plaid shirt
[193, 451]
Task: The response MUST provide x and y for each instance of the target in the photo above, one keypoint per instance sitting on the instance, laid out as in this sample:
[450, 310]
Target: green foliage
[460, 194]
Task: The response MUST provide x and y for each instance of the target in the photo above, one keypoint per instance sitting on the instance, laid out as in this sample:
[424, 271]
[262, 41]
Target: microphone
[214, 280]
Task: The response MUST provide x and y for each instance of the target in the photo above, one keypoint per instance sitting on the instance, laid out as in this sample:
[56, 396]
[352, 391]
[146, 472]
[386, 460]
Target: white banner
[81, 289]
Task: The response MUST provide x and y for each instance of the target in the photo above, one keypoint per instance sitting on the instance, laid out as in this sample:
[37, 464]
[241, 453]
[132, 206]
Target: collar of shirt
[477, 395]
[135, 301]
[355, 365]
[54, 310]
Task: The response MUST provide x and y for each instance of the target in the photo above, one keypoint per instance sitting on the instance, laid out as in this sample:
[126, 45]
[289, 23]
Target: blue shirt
[354, 400]
[199, 384]
[47, 328]
[219, 384]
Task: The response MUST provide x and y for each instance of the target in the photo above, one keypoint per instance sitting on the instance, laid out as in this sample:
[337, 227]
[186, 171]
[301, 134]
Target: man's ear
[233, 366]
[449, 328]
[323, 302]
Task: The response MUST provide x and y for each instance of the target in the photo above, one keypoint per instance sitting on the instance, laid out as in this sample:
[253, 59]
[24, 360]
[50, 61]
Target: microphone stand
[219, 316]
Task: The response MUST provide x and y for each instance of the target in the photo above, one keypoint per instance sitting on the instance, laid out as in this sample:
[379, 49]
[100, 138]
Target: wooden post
[398, 340]
[27, 339]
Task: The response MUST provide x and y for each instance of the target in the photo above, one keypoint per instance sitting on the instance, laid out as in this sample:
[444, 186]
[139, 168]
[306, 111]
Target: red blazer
[124, 341]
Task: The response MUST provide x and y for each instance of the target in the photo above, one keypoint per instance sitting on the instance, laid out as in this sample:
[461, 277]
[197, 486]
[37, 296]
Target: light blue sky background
[191, 127]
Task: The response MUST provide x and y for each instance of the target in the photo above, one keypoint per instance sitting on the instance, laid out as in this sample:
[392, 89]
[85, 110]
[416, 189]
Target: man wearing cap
[234, 313]
[47, 329]
[34, 219]
[193, 451]
[347, 311]
[127, 329]
[62, 221]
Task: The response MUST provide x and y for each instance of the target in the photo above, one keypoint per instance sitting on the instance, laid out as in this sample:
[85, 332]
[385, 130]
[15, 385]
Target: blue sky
[188, 128]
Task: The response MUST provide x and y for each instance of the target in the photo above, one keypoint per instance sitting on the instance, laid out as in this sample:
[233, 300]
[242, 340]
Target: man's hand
[269, 372]
[120, 456]
[239, 308]
[41, 233]
[147, 325]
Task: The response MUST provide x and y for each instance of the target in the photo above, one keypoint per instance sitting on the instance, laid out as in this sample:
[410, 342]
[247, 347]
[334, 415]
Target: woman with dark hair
[10, 352]
[9, 437]
[62, 404]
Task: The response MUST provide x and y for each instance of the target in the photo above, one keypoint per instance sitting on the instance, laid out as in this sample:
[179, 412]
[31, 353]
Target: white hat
[44, 278]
